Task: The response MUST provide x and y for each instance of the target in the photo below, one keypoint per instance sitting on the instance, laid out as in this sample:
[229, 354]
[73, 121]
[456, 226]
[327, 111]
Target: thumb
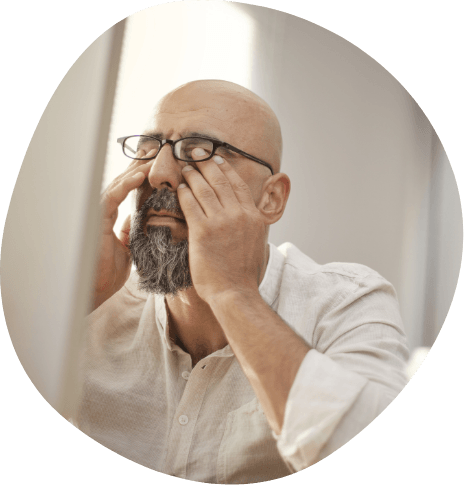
[125, 229]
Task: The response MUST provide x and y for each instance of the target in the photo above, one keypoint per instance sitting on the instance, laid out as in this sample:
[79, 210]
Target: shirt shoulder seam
[339, 273]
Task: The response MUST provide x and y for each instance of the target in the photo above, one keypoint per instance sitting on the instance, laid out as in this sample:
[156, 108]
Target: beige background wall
[371, 181]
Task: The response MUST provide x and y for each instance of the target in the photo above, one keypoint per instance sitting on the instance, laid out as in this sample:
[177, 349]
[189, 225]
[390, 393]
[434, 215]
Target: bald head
[242, 117]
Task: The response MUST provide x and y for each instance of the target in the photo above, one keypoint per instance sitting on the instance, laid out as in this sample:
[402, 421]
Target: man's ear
[275, 192]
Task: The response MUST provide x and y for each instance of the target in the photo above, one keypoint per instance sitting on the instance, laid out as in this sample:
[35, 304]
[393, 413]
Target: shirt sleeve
[354, 369]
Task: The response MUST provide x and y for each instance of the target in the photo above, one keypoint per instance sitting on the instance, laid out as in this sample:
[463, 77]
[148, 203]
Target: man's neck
[192, 324]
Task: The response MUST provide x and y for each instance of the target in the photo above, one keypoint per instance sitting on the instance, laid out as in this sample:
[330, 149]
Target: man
[224, 359]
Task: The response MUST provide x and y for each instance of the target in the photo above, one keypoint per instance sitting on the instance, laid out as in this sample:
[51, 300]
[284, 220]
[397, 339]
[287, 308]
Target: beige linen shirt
[143, 400]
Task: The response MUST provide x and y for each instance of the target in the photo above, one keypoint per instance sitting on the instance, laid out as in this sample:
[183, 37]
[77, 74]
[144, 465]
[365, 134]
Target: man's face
[159, 232]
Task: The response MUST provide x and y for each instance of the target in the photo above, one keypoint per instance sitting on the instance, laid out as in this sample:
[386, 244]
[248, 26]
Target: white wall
[49, 238]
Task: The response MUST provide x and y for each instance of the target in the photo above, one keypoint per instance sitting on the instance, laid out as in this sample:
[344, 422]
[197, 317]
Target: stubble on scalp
[162, 266]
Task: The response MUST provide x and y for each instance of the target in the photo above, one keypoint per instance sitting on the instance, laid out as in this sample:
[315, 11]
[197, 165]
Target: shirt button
[185, 374]
[183, 419]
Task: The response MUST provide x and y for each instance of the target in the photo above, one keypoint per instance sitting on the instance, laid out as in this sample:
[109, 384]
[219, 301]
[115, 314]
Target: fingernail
[218, 159]
[187, 168]
[199, 152]
[181, 186]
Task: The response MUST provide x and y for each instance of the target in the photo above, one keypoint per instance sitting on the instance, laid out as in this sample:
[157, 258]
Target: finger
[137, 160]
[117, 192]
[142, 166]
[240, 188]
[132, 167]
[135, 164]
[216, 179]
[202, 191]
[142, 170]
[190, 207]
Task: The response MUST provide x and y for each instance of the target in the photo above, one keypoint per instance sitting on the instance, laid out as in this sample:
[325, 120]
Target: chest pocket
[248, 451]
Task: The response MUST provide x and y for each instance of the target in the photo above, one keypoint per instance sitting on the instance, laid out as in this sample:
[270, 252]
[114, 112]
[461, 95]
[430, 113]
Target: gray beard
[163, 267]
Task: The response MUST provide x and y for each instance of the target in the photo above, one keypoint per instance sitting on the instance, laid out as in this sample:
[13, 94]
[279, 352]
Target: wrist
[235, 298]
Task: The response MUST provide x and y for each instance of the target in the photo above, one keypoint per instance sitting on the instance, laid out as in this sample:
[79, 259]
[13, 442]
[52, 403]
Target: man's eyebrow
[155, 135]
[186, 134]
[203, 135]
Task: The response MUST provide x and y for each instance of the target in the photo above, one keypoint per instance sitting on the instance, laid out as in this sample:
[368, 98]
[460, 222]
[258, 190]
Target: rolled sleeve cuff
[323, 391]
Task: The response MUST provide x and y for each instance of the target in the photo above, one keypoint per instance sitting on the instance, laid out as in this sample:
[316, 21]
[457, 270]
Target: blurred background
[371, 182]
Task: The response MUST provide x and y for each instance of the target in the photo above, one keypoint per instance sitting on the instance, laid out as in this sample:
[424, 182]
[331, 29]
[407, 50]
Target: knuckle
[110, 199]
[220, 183]
[109, 196]
[205, 193]
[241, 185]
[126, 181]
[113, 185]
[104, 199]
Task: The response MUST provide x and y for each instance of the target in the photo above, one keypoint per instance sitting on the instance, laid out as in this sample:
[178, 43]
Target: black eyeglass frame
[216, 145]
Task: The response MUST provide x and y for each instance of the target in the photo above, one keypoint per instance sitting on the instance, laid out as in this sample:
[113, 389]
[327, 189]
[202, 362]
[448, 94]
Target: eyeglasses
[181, 149]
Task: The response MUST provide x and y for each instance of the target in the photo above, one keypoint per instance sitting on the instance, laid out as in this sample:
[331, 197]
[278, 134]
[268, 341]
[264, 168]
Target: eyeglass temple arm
[121, 140]
[251, 157]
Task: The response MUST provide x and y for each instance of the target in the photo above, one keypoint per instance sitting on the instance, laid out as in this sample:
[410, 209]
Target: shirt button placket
[184, 423]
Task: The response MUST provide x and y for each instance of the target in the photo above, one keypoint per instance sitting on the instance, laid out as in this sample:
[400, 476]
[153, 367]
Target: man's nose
[166, 171]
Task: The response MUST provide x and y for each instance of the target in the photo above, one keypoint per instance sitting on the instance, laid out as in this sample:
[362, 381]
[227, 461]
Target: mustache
[162, 199]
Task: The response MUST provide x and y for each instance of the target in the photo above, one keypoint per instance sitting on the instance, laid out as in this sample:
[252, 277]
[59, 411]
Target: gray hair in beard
[163, 267]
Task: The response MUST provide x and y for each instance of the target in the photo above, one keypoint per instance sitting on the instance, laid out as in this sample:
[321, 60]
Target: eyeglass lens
[182, 149]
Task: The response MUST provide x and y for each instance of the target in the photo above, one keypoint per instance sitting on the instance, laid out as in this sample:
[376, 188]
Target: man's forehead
[221, 106]
[214, 115]
[222, 110]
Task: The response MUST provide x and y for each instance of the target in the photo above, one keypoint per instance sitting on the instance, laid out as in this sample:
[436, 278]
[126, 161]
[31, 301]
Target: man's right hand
[114, 260]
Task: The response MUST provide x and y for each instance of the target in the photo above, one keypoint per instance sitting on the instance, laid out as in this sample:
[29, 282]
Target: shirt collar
[162, 319]
[270, 285]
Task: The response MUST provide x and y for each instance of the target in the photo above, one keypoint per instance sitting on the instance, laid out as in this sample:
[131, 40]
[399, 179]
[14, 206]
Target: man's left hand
[226, 230]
